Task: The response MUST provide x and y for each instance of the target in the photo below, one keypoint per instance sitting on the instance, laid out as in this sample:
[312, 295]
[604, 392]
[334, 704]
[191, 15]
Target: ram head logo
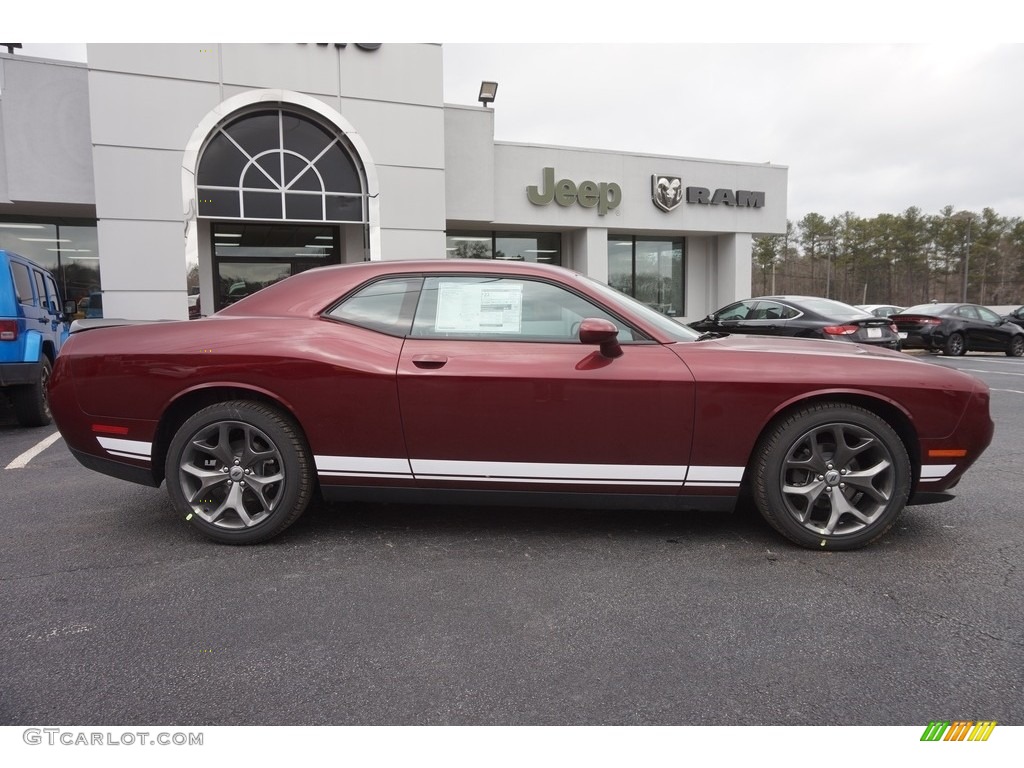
[666, 191]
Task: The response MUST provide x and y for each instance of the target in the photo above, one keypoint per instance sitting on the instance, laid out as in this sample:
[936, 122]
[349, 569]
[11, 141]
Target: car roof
[309, 292]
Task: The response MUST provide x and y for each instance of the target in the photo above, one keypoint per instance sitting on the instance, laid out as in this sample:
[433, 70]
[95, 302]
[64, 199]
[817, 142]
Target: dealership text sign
[667, 192]
[604, 195]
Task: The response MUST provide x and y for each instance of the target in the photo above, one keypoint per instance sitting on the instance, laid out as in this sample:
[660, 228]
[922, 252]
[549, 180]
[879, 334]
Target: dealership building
[157, 173]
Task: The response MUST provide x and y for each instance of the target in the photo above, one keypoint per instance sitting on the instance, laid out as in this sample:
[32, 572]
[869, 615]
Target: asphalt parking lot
[116, 612]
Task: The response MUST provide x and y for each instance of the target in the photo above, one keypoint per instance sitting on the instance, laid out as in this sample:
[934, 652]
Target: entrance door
[248, 257]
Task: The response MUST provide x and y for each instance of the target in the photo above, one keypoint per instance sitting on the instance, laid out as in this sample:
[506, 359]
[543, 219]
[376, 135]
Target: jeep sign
[604, 195]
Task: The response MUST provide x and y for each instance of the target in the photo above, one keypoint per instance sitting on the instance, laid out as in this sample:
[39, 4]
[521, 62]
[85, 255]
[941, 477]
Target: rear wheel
[955, 346]
[32, 403]
[239, 471]
[831, 476]
[1016, 347]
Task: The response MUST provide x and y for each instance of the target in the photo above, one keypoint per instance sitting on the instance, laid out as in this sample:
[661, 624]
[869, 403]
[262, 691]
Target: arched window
[275, 165]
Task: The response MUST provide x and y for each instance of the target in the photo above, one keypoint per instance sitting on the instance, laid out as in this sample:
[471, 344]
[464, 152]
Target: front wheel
[831, 476]
[239, 471]
[1016, 348]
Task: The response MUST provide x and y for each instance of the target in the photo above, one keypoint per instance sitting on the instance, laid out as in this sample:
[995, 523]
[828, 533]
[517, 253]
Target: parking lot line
[997, 373]
[22, 461]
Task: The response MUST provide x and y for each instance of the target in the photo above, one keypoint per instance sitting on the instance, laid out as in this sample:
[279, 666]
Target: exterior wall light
[487, 92]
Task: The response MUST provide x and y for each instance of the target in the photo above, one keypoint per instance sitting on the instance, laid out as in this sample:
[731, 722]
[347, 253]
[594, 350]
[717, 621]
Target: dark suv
[33, 326]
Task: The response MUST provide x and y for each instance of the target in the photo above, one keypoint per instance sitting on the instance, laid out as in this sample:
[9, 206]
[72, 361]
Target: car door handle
[429, 361]
[44, 320]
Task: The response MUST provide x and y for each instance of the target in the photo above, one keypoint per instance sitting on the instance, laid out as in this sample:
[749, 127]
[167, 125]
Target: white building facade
[160, 172]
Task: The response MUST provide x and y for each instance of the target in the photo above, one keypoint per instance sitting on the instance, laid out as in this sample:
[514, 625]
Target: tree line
[905, 259]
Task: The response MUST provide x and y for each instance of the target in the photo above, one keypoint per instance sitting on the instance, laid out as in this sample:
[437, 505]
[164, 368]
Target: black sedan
[1016, 317]
[955, 329]
[802, 316]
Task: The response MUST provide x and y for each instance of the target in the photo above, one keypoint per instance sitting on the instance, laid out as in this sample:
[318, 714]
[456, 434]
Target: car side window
[738, 311]
[22, 283]
[988, 315]
[509, 309]
[771, 310]
[969, 312]
[385, 305]
[52, 296]
[40, 288]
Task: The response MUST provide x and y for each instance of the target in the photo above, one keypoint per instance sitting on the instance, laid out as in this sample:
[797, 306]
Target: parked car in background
[955, 329]
[801, 316]
[33, 327]
[880, 310]
[91, 307]
[507, 383]
[1016, 316]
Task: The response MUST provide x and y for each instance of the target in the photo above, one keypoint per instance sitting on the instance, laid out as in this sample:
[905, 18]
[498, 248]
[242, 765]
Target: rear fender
[33, 347]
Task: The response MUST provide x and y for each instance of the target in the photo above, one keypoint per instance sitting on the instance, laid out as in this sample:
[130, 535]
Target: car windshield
[670, 327]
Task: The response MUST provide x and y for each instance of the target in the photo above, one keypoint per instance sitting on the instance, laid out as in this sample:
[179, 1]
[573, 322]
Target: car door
[31, 297]
[497, 392]
[765, 318]
[54, 310]
[995, 330]
[975, 333]
[730, 319]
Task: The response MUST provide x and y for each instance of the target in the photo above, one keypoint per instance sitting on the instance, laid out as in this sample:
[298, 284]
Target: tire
[240, 472]
[823, 498]
[1016, 348]
[32, 403]
[955, 346]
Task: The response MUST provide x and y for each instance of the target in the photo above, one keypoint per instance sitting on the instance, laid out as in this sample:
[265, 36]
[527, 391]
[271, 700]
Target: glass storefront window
[470, 245]
[248, 257]
[542, 247]
[278, 165]
[649, 269]
[69, 251]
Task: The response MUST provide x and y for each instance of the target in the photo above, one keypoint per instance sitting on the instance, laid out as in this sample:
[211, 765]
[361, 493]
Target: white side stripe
[715, 477]
[360, 466]
[658, 475]
[531, 472]
[129, 449]
[931, 472]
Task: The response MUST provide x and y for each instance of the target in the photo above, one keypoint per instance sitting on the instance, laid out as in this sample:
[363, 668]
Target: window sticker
[480, 307]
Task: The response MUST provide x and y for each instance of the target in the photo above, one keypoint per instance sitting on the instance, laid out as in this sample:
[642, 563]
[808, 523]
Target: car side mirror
[594, 330]
[70, 307]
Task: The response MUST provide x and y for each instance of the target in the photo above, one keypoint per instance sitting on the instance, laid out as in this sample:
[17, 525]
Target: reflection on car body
[487, 382]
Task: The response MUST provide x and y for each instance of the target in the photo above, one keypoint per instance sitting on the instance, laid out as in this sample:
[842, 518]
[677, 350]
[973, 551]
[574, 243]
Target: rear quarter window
[22, 283]
[386, 306]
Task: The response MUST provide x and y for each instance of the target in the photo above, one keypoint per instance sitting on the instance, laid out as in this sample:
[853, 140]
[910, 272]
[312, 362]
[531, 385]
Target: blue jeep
[33, 326]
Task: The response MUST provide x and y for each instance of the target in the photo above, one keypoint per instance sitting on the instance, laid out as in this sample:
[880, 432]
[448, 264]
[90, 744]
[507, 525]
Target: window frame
[638, 336]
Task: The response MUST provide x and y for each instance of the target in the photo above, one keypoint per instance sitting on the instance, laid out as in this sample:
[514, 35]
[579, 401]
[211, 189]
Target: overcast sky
[867, 128]
[863, 128]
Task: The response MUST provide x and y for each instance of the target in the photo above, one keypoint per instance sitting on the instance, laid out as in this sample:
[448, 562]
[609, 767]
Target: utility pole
[967, 258]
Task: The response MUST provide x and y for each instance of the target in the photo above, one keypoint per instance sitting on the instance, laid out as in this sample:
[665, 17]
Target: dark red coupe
[494, 382]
